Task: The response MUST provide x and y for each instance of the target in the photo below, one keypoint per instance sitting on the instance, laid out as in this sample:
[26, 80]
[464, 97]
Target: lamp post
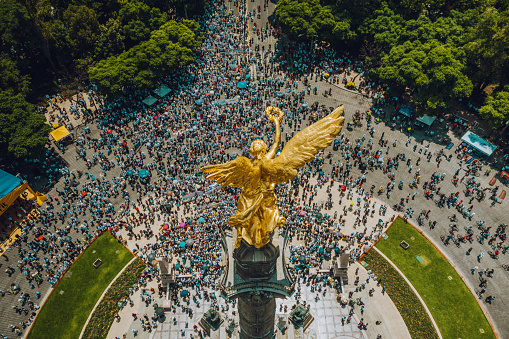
[313, 42]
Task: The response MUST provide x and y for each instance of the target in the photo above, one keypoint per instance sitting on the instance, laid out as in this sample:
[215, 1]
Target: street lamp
[313, 42]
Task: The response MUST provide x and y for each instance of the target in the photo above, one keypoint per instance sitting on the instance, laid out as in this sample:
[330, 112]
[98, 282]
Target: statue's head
[258, 148]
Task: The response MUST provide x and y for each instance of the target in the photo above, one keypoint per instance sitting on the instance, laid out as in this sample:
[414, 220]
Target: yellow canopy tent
[38, 197]
[60, 133]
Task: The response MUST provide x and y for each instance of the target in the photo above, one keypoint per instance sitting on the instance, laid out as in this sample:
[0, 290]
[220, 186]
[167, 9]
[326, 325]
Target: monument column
[256, 315]
[257, 306]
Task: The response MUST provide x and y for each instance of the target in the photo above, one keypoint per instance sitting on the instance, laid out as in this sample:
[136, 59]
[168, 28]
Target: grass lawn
[67, 309]
[449, 300]
[413, 313]
[102, 319]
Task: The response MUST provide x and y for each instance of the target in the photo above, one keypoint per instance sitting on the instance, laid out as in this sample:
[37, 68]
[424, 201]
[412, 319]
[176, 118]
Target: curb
[377, 240]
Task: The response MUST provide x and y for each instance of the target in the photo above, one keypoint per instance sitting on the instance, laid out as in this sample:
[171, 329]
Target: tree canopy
[54, 37]
[138, 20]
[82, 27]
[172, 45]
[496, 109]
[488, 48]
[125, 42]
[439, 50]
[16, 38]
[308, 19]
[429, 69]
[22, 131]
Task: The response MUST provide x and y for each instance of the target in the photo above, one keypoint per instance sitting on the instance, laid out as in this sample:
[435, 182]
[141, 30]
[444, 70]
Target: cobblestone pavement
[352, 101]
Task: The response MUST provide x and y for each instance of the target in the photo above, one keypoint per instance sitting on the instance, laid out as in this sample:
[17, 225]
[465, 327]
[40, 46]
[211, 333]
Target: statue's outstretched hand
[268, 112]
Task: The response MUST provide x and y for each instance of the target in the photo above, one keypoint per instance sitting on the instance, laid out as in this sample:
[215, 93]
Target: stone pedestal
[301, 318]
[340, 268]
[211, 322]
[166, 273]
[253, 263]
[255, 277]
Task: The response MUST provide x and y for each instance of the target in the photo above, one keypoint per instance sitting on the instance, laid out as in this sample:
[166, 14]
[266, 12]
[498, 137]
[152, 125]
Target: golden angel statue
[257, 213]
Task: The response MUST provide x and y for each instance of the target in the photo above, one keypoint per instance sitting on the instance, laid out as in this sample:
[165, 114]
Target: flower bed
[409, 306]
[100, 322]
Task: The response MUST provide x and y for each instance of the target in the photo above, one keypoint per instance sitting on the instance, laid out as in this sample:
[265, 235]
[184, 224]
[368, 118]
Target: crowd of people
[138, 166]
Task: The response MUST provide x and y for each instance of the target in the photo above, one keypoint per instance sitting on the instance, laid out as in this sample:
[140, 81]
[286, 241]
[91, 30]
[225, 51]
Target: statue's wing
[239, 172]
[303, 147]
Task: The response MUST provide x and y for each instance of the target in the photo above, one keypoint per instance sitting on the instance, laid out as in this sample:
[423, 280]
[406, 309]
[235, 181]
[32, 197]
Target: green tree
[412, 9]
[356, 11]
[383, 29]
[110, 40]
[187, 9]
[82, 28]
[138, 20]
[488, 49]
[307, 19]
[11, 78]
[444, 67]
[333, 29]
[16, 36]
[408, 8]
[496, 109]
[387, 29]
[297, 17]
[192, 25]
[55, 32]
[434, 70]
[22, 131]
[342, 31]
[502, 5]
[52, 32]
[143, 65]
[105, 9]
[135, 32]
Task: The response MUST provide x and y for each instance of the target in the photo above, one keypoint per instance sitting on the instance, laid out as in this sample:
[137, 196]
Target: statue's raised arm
[276, 119]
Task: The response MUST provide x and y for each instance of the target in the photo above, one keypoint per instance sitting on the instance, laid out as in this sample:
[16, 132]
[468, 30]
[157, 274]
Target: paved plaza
[326, 310]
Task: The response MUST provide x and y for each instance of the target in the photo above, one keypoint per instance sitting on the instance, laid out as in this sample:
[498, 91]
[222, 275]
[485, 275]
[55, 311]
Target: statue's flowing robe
[257, 214]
